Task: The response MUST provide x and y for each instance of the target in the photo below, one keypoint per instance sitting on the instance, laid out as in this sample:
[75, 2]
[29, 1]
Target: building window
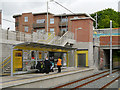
[51, 29]
[40, 30]
[40, 21]
[76, 17]
[26, 28]
[64, 20]
[64, 29]
[26, 19]
[51, 20]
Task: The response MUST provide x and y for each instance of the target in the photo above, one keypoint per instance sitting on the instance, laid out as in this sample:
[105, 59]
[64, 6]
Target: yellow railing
[47, 41]
[5, 64]
[5, 60]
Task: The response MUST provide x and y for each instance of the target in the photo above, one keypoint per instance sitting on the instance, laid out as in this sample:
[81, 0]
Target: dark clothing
[59, 69]
[38, 66]
[47, 66]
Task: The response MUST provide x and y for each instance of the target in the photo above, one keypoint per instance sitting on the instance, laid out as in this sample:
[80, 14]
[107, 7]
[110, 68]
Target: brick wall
[105, 40]
[32, 18]
[85, 34]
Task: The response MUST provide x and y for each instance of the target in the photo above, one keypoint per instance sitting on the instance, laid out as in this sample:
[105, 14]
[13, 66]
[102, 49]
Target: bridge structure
[101, 46]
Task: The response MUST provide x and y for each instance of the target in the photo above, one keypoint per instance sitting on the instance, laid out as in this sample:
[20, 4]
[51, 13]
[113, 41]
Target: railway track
[88, 80]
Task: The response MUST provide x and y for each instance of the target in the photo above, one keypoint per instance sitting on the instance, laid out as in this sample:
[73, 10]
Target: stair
[7, 70]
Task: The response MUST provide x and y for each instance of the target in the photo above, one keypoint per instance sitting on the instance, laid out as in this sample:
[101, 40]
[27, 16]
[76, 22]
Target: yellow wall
[17, 59]
[81, 52]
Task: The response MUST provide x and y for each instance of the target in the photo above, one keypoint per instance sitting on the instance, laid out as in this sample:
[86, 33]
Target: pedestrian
[101, 63]
[52, 64]
[38, 66]
[59, 65]
[47, 65]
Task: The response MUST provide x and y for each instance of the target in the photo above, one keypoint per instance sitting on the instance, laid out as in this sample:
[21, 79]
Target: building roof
[107, 29]
[33, 14]
[42, 13]
[76, 14]
[59, 15]
[82, 18]
[34, 45]
[14, 16]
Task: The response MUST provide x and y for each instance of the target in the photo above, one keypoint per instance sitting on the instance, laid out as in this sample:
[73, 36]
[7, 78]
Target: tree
[104, 17]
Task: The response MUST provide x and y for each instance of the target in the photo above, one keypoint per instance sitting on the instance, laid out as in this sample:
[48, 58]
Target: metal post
[47, 18]
[110, 46]
[36, 57]
[12, 61]
[96, 20]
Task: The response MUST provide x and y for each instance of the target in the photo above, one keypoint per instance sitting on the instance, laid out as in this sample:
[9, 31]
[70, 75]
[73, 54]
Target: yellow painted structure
[17, 59]
[81, 52]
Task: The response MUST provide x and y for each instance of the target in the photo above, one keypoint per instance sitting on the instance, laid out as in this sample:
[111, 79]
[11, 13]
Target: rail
[67, 35]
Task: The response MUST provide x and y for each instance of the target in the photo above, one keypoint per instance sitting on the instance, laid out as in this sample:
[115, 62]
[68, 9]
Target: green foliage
[104, 17]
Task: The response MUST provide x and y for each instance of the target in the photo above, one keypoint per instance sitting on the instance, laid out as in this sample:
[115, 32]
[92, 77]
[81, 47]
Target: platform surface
[8, 81]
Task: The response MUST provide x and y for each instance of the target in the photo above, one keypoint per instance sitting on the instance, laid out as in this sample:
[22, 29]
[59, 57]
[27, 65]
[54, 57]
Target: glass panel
[52, 30]
[40, 21]
[26, 19]
[26, 28]
[52, 21]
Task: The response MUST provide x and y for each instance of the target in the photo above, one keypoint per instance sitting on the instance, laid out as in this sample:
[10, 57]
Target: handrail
[5, 64]
[5, 60]
[45, 39]
[63, 35]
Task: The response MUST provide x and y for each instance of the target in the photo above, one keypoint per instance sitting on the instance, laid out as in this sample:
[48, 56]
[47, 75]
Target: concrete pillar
[90, 54]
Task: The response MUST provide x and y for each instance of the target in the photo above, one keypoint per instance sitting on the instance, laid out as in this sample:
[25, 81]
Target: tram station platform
[43, 80]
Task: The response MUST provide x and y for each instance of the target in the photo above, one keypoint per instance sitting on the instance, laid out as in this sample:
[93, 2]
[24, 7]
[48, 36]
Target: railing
[63, 39]
[22, 36]
[48, 39]
[38, 25]
[5, 62]
[63, 24]
[16, 36]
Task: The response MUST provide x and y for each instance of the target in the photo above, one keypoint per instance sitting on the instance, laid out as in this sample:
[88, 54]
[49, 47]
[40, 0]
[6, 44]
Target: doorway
[81, 60]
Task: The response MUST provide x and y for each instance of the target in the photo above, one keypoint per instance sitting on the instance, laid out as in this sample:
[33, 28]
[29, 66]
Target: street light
[110, 46]
[47, 18]
[76, 33]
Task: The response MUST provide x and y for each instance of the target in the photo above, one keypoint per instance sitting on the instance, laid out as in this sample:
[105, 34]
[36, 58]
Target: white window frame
[25, 19]
[51, 20]
[40, 30]
[40, 21]
[52, 30]
[26, 28]
[64, 20]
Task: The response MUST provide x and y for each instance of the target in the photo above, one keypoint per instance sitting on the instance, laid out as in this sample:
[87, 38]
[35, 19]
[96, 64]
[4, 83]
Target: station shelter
[24, 56]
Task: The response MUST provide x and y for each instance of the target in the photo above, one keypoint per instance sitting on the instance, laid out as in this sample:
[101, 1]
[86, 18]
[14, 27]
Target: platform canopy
[41, 46]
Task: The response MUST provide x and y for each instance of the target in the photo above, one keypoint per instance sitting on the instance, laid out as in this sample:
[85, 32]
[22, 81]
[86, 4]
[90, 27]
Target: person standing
[59, 65]
[47, 65]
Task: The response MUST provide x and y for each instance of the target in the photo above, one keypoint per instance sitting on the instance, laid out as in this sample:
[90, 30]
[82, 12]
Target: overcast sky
[13, 7]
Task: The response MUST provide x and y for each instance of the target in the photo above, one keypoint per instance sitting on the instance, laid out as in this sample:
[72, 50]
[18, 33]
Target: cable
[8, 20]
[64, 7]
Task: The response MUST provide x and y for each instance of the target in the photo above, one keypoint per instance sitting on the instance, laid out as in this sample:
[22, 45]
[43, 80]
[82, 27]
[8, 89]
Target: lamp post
[47, 18]
[76, 33]
[110, 46]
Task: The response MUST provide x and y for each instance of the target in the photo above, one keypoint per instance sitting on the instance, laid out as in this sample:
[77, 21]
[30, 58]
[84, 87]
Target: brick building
[83, 30]
[29, 22]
